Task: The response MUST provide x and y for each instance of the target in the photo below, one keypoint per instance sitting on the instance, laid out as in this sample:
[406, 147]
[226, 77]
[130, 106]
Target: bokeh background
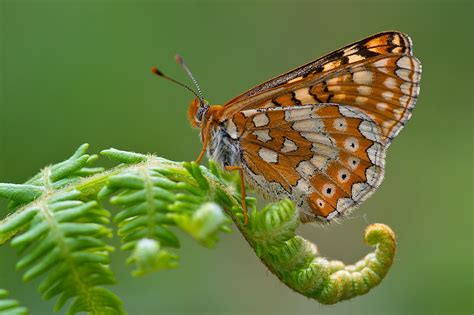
[78, 71]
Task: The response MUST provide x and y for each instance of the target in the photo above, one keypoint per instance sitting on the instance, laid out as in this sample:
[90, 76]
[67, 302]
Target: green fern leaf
[155, 199]
[10, 306]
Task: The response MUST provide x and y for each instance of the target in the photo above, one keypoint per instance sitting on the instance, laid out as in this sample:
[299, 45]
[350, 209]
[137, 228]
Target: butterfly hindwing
[325, 157]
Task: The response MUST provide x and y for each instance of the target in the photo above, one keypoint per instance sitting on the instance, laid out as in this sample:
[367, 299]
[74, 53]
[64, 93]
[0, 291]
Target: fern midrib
[150, 202]
[58, 235]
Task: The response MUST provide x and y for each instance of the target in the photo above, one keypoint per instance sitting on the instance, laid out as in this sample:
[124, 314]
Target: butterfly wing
[377, 75]
[327, 158]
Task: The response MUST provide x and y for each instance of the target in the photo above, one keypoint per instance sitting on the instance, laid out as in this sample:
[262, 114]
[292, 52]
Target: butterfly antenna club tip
[156, 71]
[179, 59]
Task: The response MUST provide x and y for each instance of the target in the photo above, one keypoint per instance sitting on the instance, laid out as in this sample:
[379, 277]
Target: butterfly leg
[242, 189]
[205, 138]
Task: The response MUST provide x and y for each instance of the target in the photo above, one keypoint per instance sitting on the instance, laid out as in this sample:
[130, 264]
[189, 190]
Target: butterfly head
[197, 111]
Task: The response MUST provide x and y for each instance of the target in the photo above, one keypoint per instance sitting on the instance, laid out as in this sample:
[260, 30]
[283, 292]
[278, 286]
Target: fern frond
[64, 243]
[59, 227]
[10, 306]
[60, 237]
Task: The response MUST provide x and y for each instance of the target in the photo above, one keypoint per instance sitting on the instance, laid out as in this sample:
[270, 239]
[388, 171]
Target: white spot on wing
[403, 100]
[373, 175]
[303, 96]
[406, 87]
[288, 146]
[387, 124]
[334, 88]
[262, 135]
[404, 62]
[381, 106]
[320, 162]
[320, 202]
[397, 112]
[390, 83]
[376, 154]
[381, 63]
[329, 190]
[340, 124]
[309, 125]
[351, 50]
[353, 162]
[318, 138]
[385, 70]
[261, 120]
[344, 203]
[348, 111]
[250, 112]
[300, 113]
[361, 99]
[354, 58]
[370, 130]
[305, 169]
[232, 129]
[295, 79]
[359, 190]
[303, 185]
[404, 74]
[387, 95]
[268, 155]
[351, 144]
[343, 175]
[362, 77]
[364, 90]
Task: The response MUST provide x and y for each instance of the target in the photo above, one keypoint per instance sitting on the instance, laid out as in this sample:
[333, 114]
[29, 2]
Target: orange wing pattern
[318, 134]
[326, 157]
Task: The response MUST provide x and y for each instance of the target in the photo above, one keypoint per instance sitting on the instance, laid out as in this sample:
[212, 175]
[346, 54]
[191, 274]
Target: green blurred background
[78, 71]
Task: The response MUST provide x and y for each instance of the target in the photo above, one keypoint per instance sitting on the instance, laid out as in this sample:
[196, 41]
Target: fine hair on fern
[61, 221]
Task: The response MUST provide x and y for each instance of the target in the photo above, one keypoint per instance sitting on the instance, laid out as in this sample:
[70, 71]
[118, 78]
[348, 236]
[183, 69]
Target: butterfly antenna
[155, 70]
[181, 62]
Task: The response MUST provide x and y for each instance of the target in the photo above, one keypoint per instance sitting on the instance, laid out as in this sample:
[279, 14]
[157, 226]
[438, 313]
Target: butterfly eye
[201, 112]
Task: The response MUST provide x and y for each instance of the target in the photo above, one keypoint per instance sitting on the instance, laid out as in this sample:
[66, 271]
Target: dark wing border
[316, 66]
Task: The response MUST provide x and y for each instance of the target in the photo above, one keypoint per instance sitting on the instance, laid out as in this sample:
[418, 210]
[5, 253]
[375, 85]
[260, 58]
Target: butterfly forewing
[378, 44]
[377, 75]
[318, 134]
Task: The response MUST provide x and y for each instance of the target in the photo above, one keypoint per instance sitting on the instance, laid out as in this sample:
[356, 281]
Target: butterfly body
[224, 147]
[318, 134]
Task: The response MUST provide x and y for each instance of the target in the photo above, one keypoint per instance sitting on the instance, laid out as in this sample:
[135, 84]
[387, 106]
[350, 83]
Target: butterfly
[317, 134]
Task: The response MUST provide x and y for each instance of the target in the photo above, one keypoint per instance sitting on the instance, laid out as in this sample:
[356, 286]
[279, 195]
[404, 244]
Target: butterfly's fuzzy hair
[192, 111]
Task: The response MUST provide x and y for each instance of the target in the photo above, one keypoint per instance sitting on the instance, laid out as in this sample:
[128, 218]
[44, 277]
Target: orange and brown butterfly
[317, 134]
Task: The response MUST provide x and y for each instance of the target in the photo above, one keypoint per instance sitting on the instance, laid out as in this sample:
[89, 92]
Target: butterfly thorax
[223, 148]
